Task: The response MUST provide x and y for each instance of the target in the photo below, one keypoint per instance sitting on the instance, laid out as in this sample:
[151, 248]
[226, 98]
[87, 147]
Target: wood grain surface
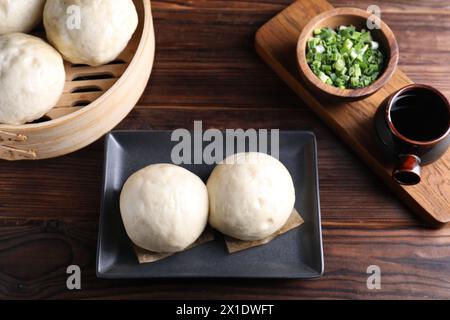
[278, 42]
[206, 69]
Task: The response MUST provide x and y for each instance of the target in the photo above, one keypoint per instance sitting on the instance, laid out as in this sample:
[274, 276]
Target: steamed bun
[106, 27]
[164, 208]
[20, 15]
[251, 196]
[32, 78]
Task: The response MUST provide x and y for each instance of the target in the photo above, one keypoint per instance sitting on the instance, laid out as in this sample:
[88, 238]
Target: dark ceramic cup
[413, 130]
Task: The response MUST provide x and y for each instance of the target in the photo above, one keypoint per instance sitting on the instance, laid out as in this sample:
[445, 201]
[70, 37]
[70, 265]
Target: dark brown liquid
[420, 115]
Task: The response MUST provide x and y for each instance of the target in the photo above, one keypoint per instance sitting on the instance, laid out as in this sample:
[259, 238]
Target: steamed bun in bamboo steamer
[32, 78]
[90, 32]
[20, 15]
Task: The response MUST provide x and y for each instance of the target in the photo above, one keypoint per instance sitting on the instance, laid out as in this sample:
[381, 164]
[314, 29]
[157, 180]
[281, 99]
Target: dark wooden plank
[66, 186]
[211, 46]
[407, 6]
[415, 266]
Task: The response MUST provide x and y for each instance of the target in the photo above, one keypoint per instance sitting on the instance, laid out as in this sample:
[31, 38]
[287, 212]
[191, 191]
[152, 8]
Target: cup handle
[407, 169]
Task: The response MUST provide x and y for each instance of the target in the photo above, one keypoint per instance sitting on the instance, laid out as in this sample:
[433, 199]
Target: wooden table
[206, 69]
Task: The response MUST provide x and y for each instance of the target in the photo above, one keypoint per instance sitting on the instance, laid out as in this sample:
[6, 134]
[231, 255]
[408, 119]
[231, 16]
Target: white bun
[105, 30]
[20, 15]
[164, 208]
[32, 78]
[251, 196]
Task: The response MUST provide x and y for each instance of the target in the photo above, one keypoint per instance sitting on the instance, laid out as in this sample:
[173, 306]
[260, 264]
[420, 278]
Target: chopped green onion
[345, 57]
[339, 65]
[348, 44]
[323, 76]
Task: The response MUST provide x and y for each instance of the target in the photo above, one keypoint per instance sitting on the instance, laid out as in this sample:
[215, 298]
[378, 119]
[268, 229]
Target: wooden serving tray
[276, 43]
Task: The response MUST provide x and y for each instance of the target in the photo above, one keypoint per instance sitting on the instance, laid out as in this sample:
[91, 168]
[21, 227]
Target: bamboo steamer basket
[94, 101]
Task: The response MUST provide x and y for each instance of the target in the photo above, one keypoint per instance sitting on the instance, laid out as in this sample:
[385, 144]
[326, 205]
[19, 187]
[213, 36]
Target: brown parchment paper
[145, 256]
[235, 245]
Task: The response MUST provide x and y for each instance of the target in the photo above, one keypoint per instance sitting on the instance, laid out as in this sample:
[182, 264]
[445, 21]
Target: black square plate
[297, 254]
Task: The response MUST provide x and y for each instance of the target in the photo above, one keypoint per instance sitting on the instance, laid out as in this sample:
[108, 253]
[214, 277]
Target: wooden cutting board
[352, 121]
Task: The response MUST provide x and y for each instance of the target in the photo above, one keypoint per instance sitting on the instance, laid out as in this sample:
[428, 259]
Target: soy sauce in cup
[420, 115]
[414, 128]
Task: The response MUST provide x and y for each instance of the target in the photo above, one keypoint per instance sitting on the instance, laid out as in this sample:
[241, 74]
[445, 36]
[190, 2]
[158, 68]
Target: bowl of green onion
[339, 56]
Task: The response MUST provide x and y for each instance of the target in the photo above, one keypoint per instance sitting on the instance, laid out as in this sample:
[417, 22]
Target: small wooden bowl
[358, 18]
[94, 101]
